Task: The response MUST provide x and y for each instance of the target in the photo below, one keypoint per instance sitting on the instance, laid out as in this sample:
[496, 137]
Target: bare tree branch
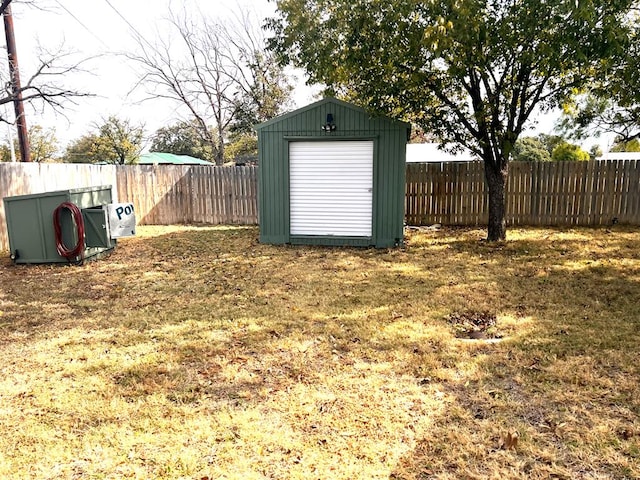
[217, 73]
[4, 5]
[43, 86]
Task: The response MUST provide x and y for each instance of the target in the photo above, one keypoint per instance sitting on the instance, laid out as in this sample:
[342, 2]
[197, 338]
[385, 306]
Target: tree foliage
[611, 103]
[569, 152]
[470, 71]
[242, 148]
[595, 113]
[595, 151]
[181, 138]
[116, 141]
[530, 149]
[43, 144]
[81, 150]
[627, 146]
[5, 153]
[550, 142]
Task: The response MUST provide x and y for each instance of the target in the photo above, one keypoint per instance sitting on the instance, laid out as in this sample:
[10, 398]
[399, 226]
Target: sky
[98, 30]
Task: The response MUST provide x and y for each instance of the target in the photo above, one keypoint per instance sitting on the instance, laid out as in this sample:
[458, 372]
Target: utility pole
[16, 89]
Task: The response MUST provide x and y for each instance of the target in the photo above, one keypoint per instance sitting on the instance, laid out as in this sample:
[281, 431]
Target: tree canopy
[569, 152]
[627, 146]
[530, 149]
[181, 138]
[43, 144]
[611, 103]
[82, 150]
[114, 140]
[471, 72]
[119, 141]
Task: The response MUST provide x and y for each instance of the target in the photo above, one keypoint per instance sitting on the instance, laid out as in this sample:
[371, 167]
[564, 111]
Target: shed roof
[159, 158]
[327, 100]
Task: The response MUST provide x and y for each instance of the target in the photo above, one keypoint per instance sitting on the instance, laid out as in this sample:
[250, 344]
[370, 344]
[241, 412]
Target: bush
[568, 152]
[530, 149]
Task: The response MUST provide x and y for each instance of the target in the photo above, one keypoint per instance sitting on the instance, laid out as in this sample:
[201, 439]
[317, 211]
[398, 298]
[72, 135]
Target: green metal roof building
[331, 174]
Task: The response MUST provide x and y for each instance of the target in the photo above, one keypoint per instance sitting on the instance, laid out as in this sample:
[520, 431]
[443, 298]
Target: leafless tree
[263, 88]
[194, 76]
[211, 70]
[42, 87]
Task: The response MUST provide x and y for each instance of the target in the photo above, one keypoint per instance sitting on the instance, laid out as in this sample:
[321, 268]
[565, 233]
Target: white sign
[122, 220]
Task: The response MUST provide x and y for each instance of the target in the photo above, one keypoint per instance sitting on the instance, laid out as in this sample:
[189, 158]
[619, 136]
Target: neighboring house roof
[158, 158]
[429, 152]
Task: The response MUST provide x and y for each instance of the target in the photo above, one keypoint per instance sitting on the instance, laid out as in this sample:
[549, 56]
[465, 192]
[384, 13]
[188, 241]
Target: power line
[93, 33]
[134, 29]
[82, 24]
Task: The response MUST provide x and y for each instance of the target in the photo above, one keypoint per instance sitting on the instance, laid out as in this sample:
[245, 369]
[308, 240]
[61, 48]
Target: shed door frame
[356, 221]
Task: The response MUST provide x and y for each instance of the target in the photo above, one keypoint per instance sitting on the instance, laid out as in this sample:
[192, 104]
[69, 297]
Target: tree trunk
[220, 148]
[496, 182]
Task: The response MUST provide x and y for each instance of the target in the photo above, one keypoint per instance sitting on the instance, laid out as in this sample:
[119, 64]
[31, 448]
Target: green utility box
[30, 224]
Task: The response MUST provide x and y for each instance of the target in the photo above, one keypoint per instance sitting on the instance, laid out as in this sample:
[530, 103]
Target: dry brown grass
[198, 353]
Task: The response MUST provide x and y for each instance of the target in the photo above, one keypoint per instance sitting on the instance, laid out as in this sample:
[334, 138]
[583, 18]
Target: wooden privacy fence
[173, 194]
[550, 193]
[538, 193]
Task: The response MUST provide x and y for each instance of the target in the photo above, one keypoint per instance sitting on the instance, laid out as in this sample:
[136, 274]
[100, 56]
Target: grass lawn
[198, 353]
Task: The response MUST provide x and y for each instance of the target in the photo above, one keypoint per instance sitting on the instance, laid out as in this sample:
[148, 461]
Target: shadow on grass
[559, 400]
[208, 317]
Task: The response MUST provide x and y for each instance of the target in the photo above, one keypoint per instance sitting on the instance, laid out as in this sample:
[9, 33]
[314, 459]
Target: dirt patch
[476, 325]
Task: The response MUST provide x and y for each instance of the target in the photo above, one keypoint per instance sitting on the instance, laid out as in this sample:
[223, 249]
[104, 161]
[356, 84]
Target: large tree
[114, 140]
[119, 141]
[219, 73]
[181, 138]
[473, 72]
[43, 143]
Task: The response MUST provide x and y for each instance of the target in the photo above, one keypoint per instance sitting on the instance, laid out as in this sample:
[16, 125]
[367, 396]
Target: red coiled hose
[76, 252]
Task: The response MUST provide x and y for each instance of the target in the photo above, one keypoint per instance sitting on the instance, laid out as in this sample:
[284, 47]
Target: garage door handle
[369, 190]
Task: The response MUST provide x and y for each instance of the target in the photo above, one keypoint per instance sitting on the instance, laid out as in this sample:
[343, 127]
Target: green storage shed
[331, 174]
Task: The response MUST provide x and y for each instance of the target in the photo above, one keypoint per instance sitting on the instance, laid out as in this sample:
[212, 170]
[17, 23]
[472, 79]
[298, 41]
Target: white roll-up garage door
[331, 188]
